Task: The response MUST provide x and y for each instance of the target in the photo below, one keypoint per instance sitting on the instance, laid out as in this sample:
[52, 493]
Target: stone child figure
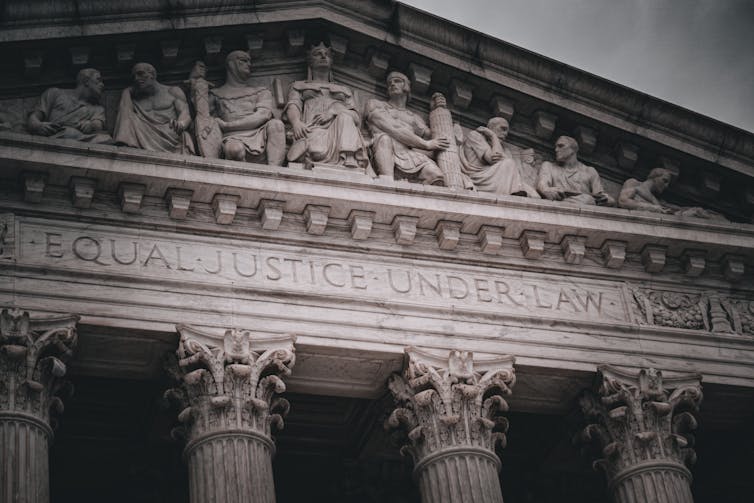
[323, 117]
[490, 164]
[244, 114]
[74, 114]
[401, 138]
[569, 180]
[644, 196]
[153, 116]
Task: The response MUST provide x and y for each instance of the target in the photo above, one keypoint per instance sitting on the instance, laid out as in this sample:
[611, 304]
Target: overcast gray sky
[696, 53]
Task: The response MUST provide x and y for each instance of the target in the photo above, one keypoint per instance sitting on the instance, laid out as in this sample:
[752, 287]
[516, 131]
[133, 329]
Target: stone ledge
[553, 345]
[295, 189]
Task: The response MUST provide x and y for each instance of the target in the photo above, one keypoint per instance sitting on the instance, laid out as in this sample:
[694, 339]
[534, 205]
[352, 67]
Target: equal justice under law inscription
[261, 266]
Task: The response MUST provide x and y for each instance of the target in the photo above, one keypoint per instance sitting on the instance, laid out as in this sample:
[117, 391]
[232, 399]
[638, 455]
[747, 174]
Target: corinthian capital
[451, 402]
[232, 385]
[33, 353]
[642, 419]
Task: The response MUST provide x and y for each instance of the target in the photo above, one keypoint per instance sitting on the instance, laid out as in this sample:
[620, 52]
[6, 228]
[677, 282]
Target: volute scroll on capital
[233, 385]
[451, 402]
[641, 418]
[33, 356]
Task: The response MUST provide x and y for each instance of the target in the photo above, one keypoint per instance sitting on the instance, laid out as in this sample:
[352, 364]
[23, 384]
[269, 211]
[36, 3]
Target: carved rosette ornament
[450, 408]
[32, 363]
[229, 402]
[641, 424]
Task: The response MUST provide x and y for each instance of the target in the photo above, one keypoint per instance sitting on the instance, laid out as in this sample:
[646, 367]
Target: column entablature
[727, 246]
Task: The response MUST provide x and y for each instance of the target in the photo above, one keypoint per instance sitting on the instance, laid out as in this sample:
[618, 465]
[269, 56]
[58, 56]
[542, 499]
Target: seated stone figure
[74, 114]
[490, 164]
[153, 116]
[569, 180]
[323, 117]
[401, 140]
[644, 196]
[244, 114]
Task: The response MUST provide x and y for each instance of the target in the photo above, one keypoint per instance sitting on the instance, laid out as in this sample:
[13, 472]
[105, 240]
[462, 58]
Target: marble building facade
[348, 251]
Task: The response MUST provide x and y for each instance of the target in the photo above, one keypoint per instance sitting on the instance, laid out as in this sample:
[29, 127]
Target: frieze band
[323, 125]
[475, 288]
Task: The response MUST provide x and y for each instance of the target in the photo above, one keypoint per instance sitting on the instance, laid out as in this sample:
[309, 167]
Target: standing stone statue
[153, 116]
[401, 139]
[644, 196]
[74, 114]
[490, 164]
[569, 180]
[244, 114]
[323, 117]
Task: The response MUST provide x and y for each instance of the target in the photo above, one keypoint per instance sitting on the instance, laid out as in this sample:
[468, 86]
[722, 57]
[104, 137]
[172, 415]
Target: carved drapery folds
[642, 424]
[242, 122]
[451, 410]
[229, 402]
[32, 363]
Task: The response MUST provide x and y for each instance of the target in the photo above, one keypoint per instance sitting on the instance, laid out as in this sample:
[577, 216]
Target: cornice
[521, 223]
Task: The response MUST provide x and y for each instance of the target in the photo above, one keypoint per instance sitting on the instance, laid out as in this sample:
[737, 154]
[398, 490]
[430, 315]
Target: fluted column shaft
[233, 467]
[24, 460]
[653, 481]
[641, 425]
[451, 413]
[31, 368]
[460, 475]
[229, 405]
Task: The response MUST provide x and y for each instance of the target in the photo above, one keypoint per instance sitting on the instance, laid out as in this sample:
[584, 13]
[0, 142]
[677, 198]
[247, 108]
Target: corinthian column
[642, 423]
[32, 355]
[450, 408]
[229, 399]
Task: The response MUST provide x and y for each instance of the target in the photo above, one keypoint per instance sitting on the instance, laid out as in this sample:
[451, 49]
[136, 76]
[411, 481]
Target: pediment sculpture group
[235, 121]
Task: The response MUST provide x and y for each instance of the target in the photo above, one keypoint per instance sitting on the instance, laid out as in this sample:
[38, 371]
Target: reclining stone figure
[645, 196]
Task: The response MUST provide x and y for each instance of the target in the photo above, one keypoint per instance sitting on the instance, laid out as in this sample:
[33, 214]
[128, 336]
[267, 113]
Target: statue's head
[661, 179]
[238, 63]
[89, 81]
[566, 148]
[398, 84]
[499, 126]
[144, 76]
[319, 57]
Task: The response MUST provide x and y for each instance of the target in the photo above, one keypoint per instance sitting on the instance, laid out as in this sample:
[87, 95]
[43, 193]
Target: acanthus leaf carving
[641, 420]
[445, 403]
[33, 353]
[230, 386]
